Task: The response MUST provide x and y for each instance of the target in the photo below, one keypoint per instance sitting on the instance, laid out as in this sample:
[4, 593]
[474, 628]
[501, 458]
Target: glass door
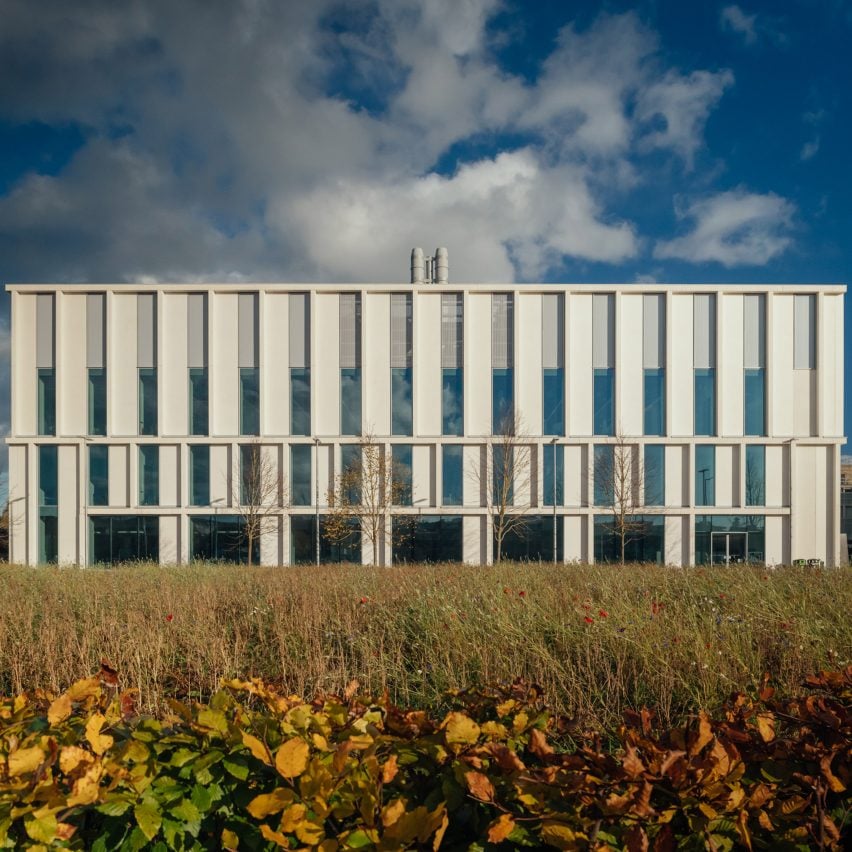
[728, 547]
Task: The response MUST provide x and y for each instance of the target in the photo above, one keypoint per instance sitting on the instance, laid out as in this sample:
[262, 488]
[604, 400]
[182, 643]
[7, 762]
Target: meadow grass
[597, 638]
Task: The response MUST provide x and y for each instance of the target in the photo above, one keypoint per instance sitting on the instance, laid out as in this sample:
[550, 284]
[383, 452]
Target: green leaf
[201, 798]
[185, 811]
[148, 819]
[237, 767]
[115, 806]
[182, 756]
[41, 830]
[358, 839]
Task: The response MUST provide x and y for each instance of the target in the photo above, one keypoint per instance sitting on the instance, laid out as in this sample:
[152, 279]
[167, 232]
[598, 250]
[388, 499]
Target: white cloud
[733, 18]
[735, 228]
[809, 149]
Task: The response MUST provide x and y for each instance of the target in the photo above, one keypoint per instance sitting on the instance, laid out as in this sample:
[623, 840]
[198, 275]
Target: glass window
[48, 535]
[755, 402]
[149, 475]
[300, 474]
[401, 474]
[645, 543]
[655, 402]
[705, 401]
[97, 401]
[503, 492]
[249, 401]
[604, 475]
[729, 539]
[502, 401]
[123, 538]
[401, 401]
[47, 476]
[554, 402]
[350, 473]
[705, 475]
[451, 474]
[303, 542]
[554, 486]
[755, 475]
[655, 475]
[350, 401]
[532, 541]
[147, 401]
[198, 401]
[220, 538]
[300, 401]
[47, 401]
[199, 475]
[452, 402]
[427, 538]
[98, 475]
[604, 411]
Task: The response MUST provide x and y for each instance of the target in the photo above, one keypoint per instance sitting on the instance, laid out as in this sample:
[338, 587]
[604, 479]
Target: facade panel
[224, 375]
[71, 390]
[123, 362]
[631, 339]
[529, 363]
[174, 383]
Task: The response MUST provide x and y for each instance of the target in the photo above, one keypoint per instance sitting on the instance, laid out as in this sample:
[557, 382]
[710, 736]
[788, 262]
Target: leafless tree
[363, 497]
[619, 477]
[505, 481]
[262, 493]
[4, 535]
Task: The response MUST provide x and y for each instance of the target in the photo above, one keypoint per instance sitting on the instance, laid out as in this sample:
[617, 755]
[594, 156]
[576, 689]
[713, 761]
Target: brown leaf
[505, 758]
[837, 786]
[632, 764]
[665, 840]
[351, 689]
[672, 758]
[389, 769]
[108, 675]
[766, 726]
[703, 736]
[539, 745]
[501, 828]
[642, 802]
[765, 822]
[637, 840]
[127, 703]
[480, 786]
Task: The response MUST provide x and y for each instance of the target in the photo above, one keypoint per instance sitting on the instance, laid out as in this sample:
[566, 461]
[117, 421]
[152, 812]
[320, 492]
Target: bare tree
[618, 485]
[363, 497]
[4, 535]
[261, 496]
[505, 480]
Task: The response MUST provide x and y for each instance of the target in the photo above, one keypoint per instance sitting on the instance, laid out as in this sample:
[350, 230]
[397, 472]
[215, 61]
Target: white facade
[788, 338]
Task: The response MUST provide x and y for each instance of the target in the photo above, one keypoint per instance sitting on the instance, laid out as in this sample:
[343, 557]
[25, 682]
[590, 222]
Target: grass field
[598, 639]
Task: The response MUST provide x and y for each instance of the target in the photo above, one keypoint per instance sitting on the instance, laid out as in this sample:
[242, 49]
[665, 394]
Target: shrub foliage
[256, 769]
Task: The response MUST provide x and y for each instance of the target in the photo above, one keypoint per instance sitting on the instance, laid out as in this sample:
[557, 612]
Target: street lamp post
[316, 501]
[553, 446]
[703, 471]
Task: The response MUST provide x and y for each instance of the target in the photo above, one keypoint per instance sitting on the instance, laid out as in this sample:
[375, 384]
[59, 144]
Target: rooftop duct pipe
[417, 266]
[442, 266]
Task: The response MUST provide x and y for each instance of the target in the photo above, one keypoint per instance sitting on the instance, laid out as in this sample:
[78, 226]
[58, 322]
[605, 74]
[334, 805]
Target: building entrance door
[728, 547]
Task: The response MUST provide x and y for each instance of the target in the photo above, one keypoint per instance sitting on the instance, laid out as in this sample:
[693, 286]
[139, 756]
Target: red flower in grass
[603, 613]
[507, 590]
[522, 594]
[588, 619]
[169, 617]
[364, 600]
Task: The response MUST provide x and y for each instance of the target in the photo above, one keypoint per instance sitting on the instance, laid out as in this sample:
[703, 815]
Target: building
[133, 407]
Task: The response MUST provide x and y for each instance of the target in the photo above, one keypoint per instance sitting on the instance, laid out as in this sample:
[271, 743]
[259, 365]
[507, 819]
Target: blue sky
[321, 140]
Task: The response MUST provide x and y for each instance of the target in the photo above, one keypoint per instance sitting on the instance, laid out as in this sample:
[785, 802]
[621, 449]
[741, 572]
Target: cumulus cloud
[734, 19]
[735, 228]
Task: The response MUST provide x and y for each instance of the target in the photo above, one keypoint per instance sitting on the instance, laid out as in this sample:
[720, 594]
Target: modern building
[135, 408]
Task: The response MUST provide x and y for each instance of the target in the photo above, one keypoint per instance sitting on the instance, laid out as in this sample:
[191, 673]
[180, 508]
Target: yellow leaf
[505, 707]
[59, 710]
[90, 687]
[41, 829]
[71, 757]
[520, 722]
[293, 817]
[230, 841]
[461, 729]
[256, 747]
[501, 828]
[275, 837]
[441, 830]
[708, 811]
[24, 760]
[559, 835]
[389, 769]
[86, 787]
[393, 811]
[480, 786]
[98, 741]
[291, 760]
[310, 832]
[320, 742]
[766, 727]
[270, 803]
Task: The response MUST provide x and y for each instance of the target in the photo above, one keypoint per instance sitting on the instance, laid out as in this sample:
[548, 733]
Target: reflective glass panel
[553, 400]
[705, 402]
[655, 402]
[604, 475]
[300, 474]
[705, 475]
[149, 475]
[300, 401]
[47, 476]
[350, 401]
[503, 493]
[553, 486]
[604, 410]
[97, 402]
[452, 402]
[48, 535]
[502, 401]
[645, 541]
[47, 401]
[98, 475]
[451, 474]
[350, 470]
[755, 475]
[755, 402]
[220, 538]
[303, 542]
[198, 401]
[655, 475]
[401, 461]
[532, 541]
[727, 539]
[123, 538]
[427, 538]
[249, 401]
[401, 401]
[199, 474]
[147, 401]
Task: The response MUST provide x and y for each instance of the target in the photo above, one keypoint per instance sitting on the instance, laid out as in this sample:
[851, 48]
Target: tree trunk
[250, 538]
[622, 547]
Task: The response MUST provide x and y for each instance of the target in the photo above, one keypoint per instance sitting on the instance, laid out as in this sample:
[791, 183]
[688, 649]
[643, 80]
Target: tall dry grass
[598, 639]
